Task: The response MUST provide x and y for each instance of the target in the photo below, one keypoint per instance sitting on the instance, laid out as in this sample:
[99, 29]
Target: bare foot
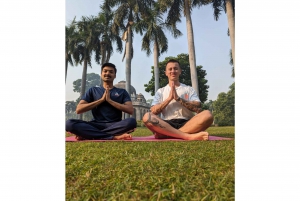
[79, 138]
[124, 136]
[199, 136]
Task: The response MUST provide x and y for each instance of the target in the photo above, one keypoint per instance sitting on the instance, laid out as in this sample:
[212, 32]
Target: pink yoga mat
[142, 139]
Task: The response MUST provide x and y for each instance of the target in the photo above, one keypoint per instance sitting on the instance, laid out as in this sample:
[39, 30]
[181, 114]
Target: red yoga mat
[142, 139]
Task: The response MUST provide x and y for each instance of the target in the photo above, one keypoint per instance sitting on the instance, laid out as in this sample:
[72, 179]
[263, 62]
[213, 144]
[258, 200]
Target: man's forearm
[123, 107]
[194, 107]
[84, 107]
[156, 109]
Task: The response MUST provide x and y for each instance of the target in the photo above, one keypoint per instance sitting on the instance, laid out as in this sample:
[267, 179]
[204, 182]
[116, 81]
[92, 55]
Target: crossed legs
[107, 131]
[194, 129]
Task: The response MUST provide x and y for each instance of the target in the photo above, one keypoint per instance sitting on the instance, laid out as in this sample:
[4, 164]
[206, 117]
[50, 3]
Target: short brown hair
[173, 61]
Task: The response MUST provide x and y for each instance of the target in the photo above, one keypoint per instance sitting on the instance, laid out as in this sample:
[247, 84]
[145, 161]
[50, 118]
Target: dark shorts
[176, 123]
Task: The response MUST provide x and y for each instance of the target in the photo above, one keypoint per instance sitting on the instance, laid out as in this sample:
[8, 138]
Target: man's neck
[109, 85]
[177, 83]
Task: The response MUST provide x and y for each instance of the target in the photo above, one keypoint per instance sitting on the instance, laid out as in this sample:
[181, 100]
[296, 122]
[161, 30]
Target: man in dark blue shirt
[107, 104]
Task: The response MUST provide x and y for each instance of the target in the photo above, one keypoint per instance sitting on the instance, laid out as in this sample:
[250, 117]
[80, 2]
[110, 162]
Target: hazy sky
[212, 46]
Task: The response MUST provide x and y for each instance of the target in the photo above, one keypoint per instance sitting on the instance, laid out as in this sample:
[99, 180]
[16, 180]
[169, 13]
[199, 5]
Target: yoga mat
[142, 139]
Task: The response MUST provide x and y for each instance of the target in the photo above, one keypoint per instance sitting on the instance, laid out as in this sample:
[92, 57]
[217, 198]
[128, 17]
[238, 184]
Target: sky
[212, 47]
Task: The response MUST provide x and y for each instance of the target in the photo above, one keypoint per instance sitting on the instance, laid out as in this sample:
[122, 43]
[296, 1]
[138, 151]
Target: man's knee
[131, 122]
[208, 116]
[69, 125]
[146, 117]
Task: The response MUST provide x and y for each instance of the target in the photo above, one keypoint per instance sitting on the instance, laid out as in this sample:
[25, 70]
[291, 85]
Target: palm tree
[87, 41]
[107, 36]
[174, 15]
[70, 45]
[231, 63]
[229, 7]
[155, 35]
[127, 13]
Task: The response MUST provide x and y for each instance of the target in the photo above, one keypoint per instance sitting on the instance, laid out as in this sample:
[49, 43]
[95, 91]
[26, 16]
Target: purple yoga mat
[142, 139]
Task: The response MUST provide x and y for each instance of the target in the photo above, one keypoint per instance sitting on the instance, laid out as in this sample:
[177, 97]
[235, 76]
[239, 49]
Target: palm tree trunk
[66, 70]
[102, 61]
[231, 25]
[156, 69]
[83, 82]
[128, 63]
[191, 47]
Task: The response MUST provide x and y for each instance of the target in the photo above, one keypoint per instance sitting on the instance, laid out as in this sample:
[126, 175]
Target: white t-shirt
[175, 110]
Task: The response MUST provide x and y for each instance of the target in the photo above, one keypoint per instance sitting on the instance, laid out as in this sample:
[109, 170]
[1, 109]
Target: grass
[193, 170]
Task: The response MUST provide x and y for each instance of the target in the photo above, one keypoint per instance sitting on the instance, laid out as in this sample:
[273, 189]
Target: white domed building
[140, 106]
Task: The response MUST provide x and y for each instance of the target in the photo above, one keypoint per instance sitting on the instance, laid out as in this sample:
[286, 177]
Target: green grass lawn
[189, 170]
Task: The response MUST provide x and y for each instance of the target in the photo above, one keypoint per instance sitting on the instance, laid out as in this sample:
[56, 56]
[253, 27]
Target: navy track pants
[95, 130]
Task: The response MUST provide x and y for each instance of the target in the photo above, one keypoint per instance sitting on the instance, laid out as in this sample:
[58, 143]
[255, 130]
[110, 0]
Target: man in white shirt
[178, 104]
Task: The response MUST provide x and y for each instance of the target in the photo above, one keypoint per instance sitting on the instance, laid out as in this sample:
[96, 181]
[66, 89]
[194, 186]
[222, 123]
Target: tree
[224, 108]
[184, 77]
[231, 63]
[174, 15]
[127, 13]
[87, 41]
[107, 36]
[229, 8]
[70, 45]
[208, 106]
[92, 79]
[70, 107]
[155, 36]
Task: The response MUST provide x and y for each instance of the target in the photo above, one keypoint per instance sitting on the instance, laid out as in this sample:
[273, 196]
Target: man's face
[108, 74]
[173, 71]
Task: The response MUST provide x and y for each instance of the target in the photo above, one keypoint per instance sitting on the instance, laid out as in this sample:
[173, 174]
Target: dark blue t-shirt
[105, 112]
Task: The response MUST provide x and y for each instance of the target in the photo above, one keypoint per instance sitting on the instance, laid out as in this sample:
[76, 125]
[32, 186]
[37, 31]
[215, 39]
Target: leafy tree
[223, 108]
[149, 101]
[70, 109]
[155, 37]
[229, 8]
[208, 105]
[70, 106]
[184, 77]
[92, 79]
[174, 15]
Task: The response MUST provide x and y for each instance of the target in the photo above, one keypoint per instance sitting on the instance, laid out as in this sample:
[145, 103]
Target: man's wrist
[177, 99]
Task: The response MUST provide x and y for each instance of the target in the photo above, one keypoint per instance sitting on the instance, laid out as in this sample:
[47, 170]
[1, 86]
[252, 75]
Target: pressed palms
[174, 15]
[70, 45]
[155, 35]
[87, 41]
[229, 8]
[126, 14]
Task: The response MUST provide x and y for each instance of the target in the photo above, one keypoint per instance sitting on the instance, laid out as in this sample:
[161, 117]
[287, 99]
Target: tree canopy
[223, 108]
[184, 78]
[92, 79]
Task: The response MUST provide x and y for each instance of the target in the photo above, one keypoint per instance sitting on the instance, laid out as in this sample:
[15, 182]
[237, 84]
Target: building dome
[122, 85]
[141, 98]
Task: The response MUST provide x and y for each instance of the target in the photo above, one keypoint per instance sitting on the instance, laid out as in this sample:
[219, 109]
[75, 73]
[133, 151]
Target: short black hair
[109, 65]
[173, 61]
